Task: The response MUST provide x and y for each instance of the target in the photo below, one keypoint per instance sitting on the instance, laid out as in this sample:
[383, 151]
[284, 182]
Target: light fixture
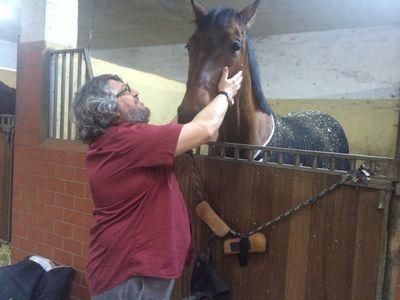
[6, 11]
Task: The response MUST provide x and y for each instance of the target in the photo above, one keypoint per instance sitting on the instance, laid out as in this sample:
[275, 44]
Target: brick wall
[51, 197]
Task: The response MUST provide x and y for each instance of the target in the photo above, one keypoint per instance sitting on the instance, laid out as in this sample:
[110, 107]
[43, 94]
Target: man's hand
[209, 119]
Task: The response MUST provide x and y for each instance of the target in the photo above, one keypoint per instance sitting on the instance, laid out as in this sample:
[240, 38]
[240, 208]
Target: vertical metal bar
[79, 73]
[353, 164]
[70, 93]
[236, 153]
[51, 94]
[250, 154]
[280, 161]
[315, 162]
[89, 70]
[62, 102]
[333, 163]
[297, 160]
[266, 154]
[55, 95]
[222, 152]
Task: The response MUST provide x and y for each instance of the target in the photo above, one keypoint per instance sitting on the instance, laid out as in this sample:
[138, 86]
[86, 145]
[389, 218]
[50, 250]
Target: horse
[222, 39]
[7, 99]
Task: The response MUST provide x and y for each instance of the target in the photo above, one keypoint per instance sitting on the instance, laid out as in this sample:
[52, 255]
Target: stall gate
[333, 249]
[6, 159]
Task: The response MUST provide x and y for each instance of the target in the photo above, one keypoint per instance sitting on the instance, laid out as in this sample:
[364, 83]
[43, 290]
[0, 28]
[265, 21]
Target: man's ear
[199, 10]
[248, 13]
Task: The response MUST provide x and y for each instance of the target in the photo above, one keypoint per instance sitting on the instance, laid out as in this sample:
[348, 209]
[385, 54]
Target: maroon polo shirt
[142, 224]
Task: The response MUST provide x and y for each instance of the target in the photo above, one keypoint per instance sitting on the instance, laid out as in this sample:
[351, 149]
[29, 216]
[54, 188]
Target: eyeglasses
[125, 89]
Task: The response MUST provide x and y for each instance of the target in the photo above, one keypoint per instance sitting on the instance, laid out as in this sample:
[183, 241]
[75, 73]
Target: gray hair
[95, 107]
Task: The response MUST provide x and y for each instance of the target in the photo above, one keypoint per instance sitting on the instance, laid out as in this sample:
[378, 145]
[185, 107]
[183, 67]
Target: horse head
[220, 39]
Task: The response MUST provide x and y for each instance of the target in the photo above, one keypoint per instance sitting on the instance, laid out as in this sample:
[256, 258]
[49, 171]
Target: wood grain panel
[329, 250]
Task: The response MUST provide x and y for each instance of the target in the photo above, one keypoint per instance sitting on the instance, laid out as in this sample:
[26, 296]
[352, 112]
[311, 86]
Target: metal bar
[55, 100]
[379, 184]
[66, 51]
[70, 93]
[222, 152]
[62, 100]
[79, 73]
[50, 126]
[236, 151]
[280, 160]
[307, 152]
[89, 70]
[315, 162]
[333, 163]
[297, 160]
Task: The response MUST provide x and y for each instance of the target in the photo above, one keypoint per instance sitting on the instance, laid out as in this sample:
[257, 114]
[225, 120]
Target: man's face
[129, 107]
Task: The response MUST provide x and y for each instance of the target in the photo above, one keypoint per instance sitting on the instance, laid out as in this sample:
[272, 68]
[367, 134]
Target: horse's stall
[335, 248]
[6, 156]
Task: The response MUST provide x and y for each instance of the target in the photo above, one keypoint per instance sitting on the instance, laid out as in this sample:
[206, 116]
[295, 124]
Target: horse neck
[245, 122]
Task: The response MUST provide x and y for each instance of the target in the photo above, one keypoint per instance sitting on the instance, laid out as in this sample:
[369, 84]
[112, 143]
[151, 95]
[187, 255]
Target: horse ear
[199, 10]
[248, 13]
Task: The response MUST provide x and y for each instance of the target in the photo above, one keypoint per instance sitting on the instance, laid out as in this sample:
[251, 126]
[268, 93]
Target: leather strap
[230, 101]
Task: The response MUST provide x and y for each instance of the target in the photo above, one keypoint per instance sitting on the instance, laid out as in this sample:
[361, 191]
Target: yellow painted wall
[9, 77]
[370, 125]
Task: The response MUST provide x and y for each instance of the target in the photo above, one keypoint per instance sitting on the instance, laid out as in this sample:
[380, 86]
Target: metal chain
[359, 176]
[196, 177]
[309, 201]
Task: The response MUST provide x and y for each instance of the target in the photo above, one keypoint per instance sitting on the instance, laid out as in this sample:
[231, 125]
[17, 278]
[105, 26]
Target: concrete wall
[361, 63]
[355, 71]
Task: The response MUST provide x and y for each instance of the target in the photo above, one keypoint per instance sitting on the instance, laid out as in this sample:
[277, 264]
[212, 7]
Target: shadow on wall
[7, 99]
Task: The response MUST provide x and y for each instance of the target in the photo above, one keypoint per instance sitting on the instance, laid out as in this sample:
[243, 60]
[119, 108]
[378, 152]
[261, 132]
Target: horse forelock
[219, 17]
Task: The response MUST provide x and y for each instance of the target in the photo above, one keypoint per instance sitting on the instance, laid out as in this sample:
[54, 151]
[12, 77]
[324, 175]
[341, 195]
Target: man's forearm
[213, 114]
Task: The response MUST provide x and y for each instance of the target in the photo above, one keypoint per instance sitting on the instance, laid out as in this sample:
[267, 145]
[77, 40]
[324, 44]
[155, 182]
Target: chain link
[359, 176]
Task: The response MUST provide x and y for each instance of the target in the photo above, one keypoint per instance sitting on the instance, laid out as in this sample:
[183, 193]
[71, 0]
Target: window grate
[68, 70]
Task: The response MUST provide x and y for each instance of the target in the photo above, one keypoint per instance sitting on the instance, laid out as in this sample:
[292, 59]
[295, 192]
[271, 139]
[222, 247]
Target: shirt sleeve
[150, 145]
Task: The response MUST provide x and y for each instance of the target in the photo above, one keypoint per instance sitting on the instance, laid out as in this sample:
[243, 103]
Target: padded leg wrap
[208, 216]
[257, 243]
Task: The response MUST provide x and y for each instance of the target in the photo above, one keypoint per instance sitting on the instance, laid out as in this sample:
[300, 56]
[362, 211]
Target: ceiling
[131, 23]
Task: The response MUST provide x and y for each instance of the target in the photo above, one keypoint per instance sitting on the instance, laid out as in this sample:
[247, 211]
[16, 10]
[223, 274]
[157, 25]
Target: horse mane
[221, 17]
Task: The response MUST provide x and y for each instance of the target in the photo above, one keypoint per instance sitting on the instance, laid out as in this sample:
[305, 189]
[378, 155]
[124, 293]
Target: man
[142, 234]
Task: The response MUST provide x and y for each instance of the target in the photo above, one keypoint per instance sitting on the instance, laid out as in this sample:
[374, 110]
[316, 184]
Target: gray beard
[139, 115]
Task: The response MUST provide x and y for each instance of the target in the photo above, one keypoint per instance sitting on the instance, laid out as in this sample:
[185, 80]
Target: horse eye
[236, 46]
[187, 47]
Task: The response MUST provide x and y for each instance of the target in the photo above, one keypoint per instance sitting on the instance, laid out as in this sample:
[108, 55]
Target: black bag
[205, 283]
[27, 280]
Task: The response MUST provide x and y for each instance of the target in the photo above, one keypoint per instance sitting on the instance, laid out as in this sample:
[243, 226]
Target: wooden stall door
[330, 250]
[4, 186]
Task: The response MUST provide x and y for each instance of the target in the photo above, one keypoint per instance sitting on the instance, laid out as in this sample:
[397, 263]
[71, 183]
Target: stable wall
[8, 55]
[9, 77]
[52, 206]
[357, 63]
